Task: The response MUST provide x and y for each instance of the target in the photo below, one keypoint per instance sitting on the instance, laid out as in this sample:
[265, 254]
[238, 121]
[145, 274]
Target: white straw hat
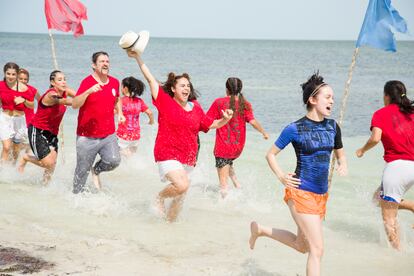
[134, 41]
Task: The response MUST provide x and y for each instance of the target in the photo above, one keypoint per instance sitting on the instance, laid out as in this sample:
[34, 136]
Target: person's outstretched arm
[257, 126]
[150, 116]
[152, 82]
[372, 141]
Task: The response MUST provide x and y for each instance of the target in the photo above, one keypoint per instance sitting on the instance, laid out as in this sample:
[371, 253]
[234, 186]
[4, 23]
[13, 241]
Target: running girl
[44, 128]
[180, 119]
[393, 125]
[231, 138]
[306, 190]
[128, 132]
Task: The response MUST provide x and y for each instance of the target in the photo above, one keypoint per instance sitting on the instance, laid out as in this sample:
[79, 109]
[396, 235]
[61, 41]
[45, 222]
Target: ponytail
[397, 93]
[234, 87]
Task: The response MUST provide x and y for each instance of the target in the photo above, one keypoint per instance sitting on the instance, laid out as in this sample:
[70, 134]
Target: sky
[244, 19]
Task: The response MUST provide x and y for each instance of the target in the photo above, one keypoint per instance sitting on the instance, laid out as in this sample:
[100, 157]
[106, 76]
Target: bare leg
[48, 163]
[233, 177]
[7, 147]
[223, 174]
[176, 189]
[297, 242]
[47, 174]
[389, 216]
[308, 238]
[23, 161]
[15, 152]
[175, 208]
[406, 205]
[96, 180]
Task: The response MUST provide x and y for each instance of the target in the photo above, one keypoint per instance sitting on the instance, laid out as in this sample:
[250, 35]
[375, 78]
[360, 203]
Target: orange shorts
[307, 202]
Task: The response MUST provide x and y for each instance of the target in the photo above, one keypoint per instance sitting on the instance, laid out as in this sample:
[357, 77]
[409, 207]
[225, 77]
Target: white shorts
[397, 179]
[13, 127]
[124, 144]
[167, 166]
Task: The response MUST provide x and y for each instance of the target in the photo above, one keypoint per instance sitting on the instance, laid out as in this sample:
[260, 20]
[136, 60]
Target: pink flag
[65, 15]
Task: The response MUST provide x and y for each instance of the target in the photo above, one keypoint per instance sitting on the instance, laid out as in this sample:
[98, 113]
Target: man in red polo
[97, 96]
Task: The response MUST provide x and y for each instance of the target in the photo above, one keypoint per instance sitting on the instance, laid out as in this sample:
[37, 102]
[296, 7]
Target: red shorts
[307, 202]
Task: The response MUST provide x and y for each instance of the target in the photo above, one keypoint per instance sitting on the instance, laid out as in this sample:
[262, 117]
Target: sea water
[117, 231]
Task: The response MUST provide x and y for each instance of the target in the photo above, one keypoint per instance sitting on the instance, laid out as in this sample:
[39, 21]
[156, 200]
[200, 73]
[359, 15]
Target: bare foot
[254, 234]
[223, 193]
[160, 206]
[22, 164]
[236, 182]
[175, 208]
[96, 180]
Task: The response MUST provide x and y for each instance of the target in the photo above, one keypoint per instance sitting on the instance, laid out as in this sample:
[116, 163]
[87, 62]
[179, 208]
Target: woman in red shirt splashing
[128, 132]
[230, 139]
[393, 125]
[44, 127]
[14, 98]
[180, 119]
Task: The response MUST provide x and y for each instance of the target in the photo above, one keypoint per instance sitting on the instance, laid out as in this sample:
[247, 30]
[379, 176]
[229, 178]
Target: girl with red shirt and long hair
[44, 127]
[231, 138]
[180, 119]
[393, 125]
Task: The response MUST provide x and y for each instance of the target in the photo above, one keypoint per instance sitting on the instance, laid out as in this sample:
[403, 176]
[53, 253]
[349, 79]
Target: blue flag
[376, 29]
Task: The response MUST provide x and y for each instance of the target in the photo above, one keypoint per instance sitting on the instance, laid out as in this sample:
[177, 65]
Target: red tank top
[49, 117]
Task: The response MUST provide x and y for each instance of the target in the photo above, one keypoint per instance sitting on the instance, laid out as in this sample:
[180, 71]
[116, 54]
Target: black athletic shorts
[41, 141]
[221, 162]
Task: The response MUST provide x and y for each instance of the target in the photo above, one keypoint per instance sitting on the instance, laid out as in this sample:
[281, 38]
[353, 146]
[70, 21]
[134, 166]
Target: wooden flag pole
[343, 107]
[52, 44]
[55, 64]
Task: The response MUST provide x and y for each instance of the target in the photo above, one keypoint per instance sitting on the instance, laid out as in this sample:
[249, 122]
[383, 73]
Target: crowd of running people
[181, 118]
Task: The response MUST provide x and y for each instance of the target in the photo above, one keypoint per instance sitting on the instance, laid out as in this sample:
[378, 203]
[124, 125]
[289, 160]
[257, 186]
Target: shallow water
[117, 232]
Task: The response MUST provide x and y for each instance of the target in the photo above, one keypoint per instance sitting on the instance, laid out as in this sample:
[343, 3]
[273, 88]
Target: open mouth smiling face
[182, 90]
[325, 100]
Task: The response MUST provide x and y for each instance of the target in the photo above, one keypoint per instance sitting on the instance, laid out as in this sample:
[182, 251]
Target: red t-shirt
[29, 112]
[96, 116]
[178, 129]
[230, 139]
[6, 96]
[49, 117]
[397, 132]
[131, 108]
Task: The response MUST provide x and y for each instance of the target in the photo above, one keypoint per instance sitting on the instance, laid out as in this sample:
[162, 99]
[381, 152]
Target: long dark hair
[234, 87]
[398, 95]
[311, 87]
[135, 86]
[172, 81]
